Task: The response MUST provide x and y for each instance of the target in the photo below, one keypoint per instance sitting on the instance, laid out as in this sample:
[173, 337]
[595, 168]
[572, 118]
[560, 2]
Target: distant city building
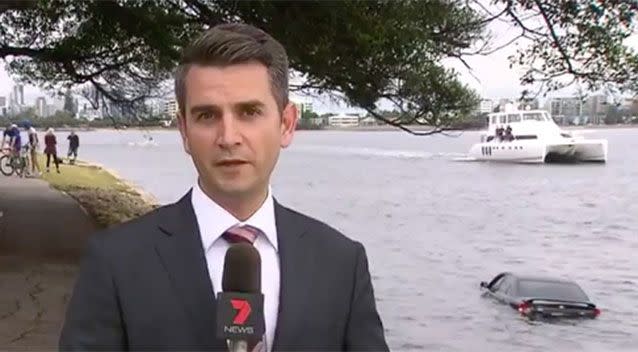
[575, 110]
[307, 106]
[344, 120]
[486, 106]
[302, 106]
[18, 94]
[170, 108]
[41, 107]
[528, 104]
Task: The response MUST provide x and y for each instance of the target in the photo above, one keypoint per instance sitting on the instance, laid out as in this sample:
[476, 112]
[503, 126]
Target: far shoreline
[377, 128]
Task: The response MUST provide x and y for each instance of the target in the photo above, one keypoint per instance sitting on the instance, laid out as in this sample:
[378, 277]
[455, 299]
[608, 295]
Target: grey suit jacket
[144, 285]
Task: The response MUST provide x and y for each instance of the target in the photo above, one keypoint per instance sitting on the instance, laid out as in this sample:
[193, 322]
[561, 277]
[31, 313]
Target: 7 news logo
[243, 310]
[240, 315]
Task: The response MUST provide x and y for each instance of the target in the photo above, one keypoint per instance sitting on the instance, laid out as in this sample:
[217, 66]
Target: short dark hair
[236, 43]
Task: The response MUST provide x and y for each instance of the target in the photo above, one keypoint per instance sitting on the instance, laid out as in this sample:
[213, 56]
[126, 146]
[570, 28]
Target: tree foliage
[366, 52]
[574, 41]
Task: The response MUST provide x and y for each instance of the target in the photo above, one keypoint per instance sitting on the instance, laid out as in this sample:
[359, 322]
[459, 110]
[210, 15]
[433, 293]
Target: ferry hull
[594, 150]
[580, 151]
[525, 153]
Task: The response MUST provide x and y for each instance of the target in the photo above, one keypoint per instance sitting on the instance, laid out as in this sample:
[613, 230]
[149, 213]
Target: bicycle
[11, 163]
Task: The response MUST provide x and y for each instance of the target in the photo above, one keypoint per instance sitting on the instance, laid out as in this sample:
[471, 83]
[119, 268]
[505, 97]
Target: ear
[289, 119]
[181, 123]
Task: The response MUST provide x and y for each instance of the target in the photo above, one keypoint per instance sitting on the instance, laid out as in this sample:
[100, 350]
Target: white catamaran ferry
[532, 136]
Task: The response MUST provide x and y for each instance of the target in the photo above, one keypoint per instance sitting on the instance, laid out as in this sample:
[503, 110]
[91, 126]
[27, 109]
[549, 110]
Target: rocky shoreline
[103, 194]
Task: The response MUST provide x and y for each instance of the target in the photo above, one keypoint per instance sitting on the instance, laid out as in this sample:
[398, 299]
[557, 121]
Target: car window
[506, 286]
[551, 290]
[496, 286]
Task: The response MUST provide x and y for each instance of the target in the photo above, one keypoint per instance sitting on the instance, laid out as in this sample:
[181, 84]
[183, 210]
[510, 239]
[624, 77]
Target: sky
[490, 75]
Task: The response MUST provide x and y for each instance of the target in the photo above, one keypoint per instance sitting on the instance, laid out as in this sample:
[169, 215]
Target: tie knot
[245, 233]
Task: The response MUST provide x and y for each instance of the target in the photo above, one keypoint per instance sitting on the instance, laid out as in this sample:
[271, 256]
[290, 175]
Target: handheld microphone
[240, 307]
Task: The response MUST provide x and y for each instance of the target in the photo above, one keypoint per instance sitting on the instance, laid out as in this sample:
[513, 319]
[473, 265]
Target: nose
[229, 134]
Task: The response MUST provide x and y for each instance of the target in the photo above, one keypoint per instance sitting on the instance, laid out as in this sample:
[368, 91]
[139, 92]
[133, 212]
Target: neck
[241, 207]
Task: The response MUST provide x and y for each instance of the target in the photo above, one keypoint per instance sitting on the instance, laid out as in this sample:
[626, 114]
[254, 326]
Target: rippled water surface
[434, 227]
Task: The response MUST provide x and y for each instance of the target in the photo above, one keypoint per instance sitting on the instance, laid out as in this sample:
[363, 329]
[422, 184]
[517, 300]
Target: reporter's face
[233, 129]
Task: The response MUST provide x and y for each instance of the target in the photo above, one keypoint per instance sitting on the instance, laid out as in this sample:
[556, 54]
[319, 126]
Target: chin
[233, 189]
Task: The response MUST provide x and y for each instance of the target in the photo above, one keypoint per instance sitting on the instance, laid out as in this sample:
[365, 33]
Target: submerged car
[540, 297]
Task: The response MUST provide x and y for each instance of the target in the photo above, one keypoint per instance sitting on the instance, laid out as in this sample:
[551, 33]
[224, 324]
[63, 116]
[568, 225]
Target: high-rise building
[41, 107]
[170, 108]
[18, 94]
[486, 106]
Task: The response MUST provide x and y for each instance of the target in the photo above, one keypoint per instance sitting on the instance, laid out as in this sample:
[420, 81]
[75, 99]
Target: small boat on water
[532, 136]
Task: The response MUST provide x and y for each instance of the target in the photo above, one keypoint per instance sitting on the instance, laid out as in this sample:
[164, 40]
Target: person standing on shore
[50, 149]
[152, 283]
[74, 144]
[34, 144]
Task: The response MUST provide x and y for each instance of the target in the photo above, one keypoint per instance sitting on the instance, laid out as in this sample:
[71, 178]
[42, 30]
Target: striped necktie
[238, 234]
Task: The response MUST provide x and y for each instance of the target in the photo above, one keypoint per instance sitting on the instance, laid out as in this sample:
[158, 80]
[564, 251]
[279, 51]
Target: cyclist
[15, 140]
[6, 136]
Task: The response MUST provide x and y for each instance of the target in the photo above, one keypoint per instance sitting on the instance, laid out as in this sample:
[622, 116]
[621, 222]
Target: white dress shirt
[213, 221]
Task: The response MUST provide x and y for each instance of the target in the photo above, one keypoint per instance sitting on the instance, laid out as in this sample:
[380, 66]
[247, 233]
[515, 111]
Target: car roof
[530, 277]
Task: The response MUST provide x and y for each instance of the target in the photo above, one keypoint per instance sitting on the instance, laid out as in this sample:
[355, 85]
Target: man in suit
[151, 284]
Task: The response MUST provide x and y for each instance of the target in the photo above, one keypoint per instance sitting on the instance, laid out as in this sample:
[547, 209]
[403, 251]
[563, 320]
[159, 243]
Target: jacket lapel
[294, 266]
[183, 257]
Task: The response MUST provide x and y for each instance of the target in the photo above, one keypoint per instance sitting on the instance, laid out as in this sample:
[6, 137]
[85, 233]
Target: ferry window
[493, 119]
[503, 119]
[514, 118]
[529, 136]
[534, 116]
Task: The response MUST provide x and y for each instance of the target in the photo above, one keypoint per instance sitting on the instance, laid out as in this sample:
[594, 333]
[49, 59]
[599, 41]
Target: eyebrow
[204, 107]
[250, 104]
[241, 105]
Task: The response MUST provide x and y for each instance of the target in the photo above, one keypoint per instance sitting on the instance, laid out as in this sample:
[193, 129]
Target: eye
[204, 115]
[252, 111]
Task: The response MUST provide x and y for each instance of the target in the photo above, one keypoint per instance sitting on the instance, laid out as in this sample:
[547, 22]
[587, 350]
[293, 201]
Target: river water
[434, 226]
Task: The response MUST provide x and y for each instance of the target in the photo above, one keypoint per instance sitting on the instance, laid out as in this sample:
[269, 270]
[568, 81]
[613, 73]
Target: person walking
[50, 149]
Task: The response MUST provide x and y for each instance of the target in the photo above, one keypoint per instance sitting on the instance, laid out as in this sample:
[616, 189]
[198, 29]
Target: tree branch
[7, 5]
[402, 127]
[555, 38]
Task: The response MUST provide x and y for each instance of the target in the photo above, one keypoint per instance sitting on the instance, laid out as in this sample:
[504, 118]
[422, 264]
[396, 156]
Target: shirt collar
[213, 220]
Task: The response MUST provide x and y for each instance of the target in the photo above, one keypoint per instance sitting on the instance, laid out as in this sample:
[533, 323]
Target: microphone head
[242, 269]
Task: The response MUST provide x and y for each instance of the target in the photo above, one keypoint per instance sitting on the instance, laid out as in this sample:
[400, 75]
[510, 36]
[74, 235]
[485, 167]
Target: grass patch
[105, 197]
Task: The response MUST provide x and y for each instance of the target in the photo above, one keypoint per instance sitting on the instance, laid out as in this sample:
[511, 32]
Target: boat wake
[375, 152]
[465, 158]
[143, 144]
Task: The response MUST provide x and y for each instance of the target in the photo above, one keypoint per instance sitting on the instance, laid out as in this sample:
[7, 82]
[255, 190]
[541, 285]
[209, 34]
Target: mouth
[231, 162]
